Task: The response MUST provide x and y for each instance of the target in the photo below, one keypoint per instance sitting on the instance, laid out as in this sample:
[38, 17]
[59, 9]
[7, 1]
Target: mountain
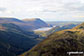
[14, 40]
[25, 24]
[55, 29]
[37, 23]
[59, 43]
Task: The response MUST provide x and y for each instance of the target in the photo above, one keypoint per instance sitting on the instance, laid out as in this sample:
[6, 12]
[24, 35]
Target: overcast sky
[48, 10]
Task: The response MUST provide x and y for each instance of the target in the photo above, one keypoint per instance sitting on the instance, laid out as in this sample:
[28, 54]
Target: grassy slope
[59, 43]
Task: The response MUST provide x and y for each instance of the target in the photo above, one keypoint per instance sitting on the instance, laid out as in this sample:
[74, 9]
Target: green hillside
[59, 43]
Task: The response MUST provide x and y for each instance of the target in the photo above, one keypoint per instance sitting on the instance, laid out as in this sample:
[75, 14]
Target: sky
[48, 10]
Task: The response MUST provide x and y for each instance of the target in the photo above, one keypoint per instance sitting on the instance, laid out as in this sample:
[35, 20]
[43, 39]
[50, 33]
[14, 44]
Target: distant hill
[25, 24]
[62, 23]
[59, 43]
[14, 40]
[55, 29]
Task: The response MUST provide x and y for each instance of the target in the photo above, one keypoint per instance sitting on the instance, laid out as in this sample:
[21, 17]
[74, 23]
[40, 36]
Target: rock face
[14, 40]
[59, 43]
[26, 24]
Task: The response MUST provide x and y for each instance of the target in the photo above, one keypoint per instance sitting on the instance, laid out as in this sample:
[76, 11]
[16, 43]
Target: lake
[44, 29]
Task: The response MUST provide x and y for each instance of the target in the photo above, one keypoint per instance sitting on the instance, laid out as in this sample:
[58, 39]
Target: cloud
[47, 9]
[2, 9]
[5, 11]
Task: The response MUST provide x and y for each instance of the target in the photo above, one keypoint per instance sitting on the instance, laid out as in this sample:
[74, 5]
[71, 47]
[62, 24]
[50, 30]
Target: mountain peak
[32, 19]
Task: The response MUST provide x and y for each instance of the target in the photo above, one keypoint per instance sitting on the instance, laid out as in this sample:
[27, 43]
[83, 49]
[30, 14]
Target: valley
[19, 36]
[41, 27]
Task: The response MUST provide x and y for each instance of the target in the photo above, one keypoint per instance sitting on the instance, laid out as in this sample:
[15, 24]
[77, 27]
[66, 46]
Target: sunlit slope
[59, 43]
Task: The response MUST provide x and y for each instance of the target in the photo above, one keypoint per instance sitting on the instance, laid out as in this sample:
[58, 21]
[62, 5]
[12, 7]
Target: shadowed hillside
[14, 41]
